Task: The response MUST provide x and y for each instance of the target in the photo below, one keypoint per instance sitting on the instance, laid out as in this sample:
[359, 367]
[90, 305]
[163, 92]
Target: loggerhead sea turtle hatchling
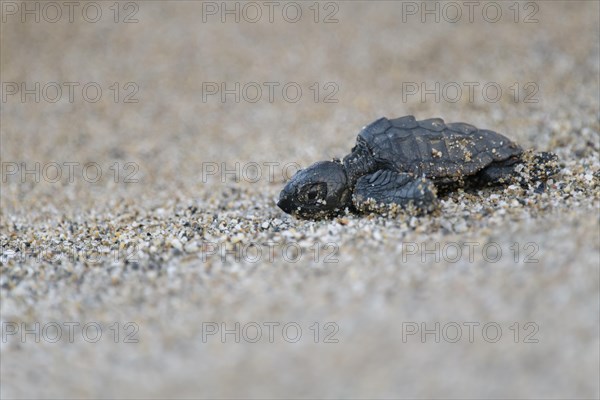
[402, 162]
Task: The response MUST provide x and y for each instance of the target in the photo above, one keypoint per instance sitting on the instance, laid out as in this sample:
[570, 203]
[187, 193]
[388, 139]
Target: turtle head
[319, 190]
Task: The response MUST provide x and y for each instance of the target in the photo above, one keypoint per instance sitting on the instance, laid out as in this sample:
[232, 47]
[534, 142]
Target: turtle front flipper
[384, 189]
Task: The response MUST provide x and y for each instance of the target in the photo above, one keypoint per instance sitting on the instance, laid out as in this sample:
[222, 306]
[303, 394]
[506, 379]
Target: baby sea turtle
[403, 162]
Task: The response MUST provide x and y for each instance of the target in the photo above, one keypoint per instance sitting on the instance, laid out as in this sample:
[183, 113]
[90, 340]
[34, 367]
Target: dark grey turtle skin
[403, 162]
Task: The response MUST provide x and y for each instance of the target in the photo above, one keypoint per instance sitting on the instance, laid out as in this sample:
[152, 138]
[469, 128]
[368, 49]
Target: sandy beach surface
[143, 147]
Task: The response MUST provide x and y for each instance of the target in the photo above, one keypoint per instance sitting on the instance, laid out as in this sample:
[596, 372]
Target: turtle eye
[314, 192]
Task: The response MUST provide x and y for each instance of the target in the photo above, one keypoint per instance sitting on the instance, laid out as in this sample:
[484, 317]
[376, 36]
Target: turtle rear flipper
[543, 166]
[537, 169]
[498, 173]
[384, 189]
[524, 170]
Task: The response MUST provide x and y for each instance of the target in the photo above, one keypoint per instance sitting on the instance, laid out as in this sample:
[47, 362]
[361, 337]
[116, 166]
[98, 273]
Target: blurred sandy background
[170, 134]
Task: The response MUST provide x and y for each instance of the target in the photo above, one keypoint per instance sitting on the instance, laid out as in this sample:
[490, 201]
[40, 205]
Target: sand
[141, 225]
